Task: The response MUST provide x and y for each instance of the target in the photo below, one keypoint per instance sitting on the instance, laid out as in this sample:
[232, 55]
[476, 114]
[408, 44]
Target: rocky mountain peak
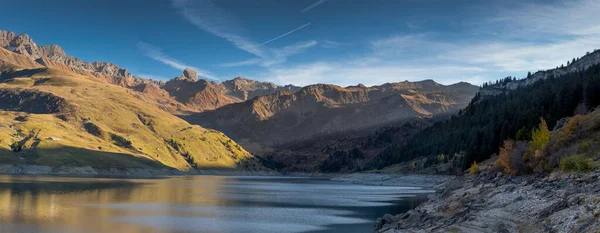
[23, 39]
[239, 78]
[359, 86]
[6, 37]
[189, 75]
[21, 44]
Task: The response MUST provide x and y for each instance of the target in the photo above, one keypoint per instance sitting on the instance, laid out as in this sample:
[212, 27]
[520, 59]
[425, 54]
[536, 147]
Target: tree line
[480, 129]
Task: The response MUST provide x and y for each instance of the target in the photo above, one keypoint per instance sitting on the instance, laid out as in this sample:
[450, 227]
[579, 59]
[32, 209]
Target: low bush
[95, 130]
[574, 124]
[575, 163]
[121, 141]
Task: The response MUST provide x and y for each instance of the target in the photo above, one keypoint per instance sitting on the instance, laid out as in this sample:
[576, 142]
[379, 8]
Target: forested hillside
[480, 129]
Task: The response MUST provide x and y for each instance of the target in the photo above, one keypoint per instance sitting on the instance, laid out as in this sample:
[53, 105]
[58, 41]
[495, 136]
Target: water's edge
[377, 179]
[88, 171]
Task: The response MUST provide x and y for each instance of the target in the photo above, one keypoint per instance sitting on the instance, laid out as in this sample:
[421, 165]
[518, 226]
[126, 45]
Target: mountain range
[319, 109]
[264, 117]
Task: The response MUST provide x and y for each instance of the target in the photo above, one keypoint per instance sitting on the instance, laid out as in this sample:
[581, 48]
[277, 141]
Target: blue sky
[302, 42]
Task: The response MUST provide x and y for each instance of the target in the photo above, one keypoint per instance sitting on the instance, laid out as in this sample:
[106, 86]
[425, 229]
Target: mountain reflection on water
[196, 204]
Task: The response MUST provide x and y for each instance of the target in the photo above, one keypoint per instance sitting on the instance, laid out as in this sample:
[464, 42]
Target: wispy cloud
[281, 54]
[532, 37]
[536, 36]
[155, 53]
[578, 17]
[211, 18]
[329, 44]
[295, 48]
[316, 4]
[285, 34]
[510, 41]
[248, 62]
[278, 55]
[345, 74]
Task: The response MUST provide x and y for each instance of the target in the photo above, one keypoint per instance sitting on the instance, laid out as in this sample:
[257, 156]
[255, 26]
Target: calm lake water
[216, 204]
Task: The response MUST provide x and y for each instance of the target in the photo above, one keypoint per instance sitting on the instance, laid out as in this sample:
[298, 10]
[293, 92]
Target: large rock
[190, 75]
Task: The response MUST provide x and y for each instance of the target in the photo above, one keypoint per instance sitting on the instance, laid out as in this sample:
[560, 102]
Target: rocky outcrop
[188, 75]
[493, 202]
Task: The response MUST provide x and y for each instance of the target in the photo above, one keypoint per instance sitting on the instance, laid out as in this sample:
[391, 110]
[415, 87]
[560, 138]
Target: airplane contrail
[313, 5]
[285, 34]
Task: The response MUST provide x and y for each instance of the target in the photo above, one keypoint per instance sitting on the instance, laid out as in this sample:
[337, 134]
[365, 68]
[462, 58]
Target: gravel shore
[497, 203]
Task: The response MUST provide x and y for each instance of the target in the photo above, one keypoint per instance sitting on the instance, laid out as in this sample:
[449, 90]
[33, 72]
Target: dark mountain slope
[319, 109]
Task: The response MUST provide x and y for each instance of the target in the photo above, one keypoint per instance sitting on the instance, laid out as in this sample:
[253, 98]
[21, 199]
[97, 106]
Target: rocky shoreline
[89, 171]
[493, 202]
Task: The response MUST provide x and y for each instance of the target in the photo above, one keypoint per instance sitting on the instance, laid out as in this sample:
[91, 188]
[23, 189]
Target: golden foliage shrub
[511, 157]
[474, 168]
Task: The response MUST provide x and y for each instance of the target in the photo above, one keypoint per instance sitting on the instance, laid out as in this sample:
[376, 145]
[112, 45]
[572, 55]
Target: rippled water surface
[217, 204]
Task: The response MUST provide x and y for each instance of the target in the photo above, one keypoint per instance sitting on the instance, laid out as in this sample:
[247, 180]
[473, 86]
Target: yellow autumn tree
[505, 157]
[474, 168]
[540, 136]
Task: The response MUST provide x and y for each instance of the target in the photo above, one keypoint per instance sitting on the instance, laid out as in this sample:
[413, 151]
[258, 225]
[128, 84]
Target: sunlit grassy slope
[101, 125]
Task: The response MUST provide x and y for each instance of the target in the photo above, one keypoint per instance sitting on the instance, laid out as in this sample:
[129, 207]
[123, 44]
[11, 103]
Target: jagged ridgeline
[504, 111]
[51, 115]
